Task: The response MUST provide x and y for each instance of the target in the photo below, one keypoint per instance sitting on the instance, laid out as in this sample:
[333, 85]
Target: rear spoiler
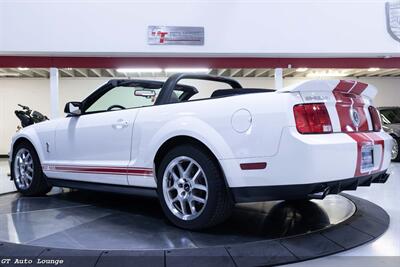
[342, 86]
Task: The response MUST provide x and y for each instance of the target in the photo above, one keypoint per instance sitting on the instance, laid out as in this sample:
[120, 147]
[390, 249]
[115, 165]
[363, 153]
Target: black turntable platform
[98, 229]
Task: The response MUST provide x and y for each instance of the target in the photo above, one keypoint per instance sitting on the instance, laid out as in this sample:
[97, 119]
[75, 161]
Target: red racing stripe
[361, 141]
[378, 141]
[344, 86]
[367, 139]
[348, 95]
[358, 88]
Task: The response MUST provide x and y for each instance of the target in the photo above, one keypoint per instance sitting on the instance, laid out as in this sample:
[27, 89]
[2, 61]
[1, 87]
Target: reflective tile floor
[81, 219]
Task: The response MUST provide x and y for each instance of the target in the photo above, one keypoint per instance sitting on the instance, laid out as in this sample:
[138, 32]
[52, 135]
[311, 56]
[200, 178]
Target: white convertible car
[200, 156]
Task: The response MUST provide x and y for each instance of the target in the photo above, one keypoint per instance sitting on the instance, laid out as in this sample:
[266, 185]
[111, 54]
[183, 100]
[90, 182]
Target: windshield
[390, 116]
[125, 97]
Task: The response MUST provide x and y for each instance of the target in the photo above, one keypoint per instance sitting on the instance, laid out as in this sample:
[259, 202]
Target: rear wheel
[191, 188]
[27, 173]
[395, 149]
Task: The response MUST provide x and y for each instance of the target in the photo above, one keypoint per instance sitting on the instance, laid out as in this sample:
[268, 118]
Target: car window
[390, 116]
[122, 96]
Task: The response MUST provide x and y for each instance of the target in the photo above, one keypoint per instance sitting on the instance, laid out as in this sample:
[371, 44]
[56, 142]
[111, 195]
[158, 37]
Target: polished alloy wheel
[23, 168]
[185, 188]
[395, 149]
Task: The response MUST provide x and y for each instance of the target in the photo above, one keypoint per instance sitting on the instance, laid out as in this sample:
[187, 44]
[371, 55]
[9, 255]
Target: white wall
[36, 94]
[263, 28]
[32, 92]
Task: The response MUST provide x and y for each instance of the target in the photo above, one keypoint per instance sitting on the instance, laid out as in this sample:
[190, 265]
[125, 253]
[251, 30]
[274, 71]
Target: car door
[96, 146]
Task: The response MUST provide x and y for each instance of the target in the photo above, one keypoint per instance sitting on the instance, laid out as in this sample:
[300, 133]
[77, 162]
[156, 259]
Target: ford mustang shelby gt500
[202, 155]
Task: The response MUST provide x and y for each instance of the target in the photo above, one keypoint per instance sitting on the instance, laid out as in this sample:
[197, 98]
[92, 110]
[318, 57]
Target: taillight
[312, 118]
[376, 120]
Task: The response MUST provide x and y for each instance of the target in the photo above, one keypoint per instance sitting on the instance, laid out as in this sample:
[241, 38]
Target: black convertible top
[241, 91]
[149, 84]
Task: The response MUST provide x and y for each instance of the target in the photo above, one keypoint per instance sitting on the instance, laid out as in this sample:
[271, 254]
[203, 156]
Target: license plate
[367, 158]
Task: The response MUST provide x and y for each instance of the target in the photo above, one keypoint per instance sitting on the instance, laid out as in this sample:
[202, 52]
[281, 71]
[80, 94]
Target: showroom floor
[384, 195]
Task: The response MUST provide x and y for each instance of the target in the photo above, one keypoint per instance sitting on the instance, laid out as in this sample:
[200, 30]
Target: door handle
[120, 124]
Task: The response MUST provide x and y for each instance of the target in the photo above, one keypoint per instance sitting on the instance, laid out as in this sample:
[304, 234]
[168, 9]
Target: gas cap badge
[355, 117]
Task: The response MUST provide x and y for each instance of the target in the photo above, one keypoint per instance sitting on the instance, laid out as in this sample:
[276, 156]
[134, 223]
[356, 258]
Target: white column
[278, 78]
[54, 92]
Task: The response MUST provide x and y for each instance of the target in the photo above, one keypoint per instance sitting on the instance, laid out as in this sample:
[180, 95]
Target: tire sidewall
[214, 182]
[37, 178]
[397, 159]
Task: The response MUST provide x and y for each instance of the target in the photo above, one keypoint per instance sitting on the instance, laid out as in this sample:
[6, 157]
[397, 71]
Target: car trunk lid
[349, 103]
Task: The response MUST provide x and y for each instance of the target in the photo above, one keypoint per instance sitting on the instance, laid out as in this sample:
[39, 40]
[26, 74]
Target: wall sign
[393, 19]
[175, 35]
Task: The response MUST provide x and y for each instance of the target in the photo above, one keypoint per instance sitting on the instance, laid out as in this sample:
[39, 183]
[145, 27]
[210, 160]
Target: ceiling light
[301, 69]
[20, 68]
[329, 73]
[10, 74]
[145, 70]
[373, 69]
[190, 70]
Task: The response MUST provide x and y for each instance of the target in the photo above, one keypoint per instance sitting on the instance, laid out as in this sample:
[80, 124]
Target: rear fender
[193, 127]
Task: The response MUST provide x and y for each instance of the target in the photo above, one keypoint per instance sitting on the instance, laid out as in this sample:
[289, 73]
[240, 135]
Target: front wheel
[395, 149]
[26, 171]
[192, 189]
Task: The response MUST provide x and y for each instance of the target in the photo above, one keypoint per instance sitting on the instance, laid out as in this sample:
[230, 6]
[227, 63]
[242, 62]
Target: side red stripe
[88, 172]
[100, 170]
[140, 172]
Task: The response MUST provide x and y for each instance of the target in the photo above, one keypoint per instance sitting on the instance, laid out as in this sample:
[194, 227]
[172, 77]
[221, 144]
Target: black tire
[39, 185]
[219, 204]
[397, 159]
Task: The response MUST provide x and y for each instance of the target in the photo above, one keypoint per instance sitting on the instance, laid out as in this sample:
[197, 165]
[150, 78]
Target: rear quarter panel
[210, 121]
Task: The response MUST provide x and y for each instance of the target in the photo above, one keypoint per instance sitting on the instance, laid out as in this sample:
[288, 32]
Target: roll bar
[164, 96]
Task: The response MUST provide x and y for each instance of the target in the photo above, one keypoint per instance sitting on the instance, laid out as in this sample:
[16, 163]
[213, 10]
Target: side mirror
[145, 93]
[73, 108]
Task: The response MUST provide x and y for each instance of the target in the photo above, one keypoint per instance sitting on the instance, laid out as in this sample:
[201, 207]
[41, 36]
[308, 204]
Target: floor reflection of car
[390, 117]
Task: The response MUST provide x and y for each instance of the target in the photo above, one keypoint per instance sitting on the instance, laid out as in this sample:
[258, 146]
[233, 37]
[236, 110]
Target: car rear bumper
[309, 159]
[304, 191]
